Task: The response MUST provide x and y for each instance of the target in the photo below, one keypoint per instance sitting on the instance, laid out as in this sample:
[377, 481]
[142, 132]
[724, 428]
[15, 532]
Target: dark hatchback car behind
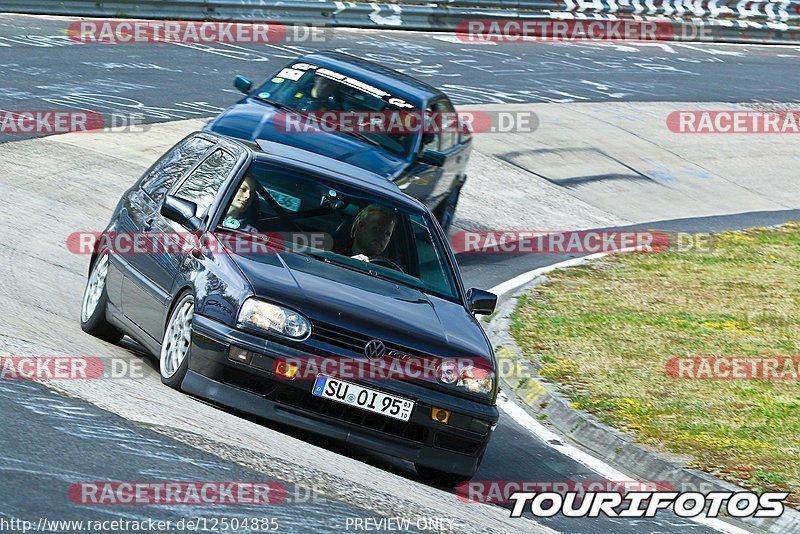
[223, 320]
[428, 164]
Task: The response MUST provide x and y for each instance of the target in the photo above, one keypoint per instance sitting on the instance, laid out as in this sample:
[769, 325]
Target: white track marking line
[553, 440]
[525, 420]
[524, 278]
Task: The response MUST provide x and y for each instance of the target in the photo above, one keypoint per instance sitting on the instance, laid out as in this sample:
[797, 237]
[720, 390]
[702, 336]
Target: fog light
[285, 369]
[439, 415]
[477, 425]
[238, 354]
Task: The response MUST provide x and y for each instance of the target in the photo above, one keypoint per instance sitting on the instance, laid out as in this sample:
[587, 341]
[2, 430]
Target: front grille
[307, 401]
[341, 338]
[353, 341]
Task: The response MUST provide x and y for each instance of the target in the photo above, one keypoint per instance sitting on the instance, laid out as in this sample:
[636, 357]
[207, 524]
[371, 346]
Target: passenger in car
[243, 213]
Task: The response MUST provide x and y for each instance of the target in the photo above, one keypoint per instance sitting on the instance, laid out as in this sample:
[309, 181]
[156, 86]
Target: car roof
[333, 168]
[401, 85]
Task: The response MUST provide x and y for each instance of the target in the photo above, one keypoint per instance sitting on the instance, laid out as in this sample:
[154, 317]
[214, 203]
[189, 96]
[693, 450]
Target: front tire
[95, 302]
[174, 358]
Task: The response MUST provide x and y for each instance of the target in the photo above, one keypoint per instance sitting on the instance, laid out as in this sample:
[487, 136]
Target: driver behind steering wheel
[371, 231]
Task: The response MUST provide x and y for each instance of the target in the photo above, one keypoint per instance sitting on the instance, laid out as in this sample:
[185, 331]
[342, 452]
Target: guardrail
[753, 21]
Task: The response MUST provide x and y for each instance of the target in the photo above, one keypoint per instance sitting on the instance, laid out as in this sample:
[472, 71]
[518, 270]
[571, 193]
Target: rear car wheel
[174, 359]
[95, 300]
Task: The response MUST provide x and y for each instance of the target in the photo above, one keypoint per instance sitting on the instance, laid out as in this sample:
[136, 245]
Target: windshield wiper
[359, 135]
[284, 107]
[368, 270]
[278, 105]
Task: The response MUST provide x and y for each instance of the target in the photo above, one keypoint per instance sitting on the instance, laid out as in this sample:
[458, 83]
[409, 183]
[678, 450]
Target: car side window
[447, 119]
[173, 165]
[430, 140]
[202, 186]
[431, 258]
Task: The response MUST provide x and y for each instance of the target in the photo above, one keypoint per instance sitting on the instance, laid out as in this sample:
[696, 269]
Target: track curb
[546, 404]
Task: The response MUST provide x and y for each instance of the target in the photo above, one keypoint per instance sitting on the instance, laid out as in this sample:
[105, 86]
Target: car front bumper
[455, 447]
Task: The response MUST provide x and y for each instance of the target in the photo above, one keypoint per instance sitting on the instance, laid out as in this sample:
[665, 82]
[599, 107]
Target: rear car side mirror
[182, 212]
[242, 84]
[480, 301]
[432, 157]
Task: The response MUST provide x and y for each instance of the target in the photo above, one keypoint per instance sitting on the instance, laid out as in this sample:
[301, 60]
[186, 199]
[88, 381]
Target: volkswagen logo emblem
[375, 349]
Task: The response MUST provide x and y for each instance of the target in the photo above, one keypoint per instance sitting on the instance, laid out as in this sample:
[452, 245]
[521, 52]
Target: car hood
[365, 304]
[252, 119]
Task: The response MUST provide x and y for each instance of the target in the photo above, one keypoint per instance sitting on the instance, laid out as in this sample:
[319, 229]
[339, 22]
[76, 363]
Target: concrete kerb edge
[546, 404]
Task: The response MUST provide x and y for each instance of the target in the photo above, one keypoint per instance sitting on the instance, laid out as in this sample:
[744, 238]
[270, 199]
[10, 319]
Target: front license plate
[365, 398]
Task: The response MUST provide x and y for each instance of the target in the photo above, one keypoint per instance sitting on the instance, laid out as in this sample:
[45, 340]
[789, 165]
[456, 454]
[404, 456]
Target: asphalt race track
[49, 441]
[41, 66]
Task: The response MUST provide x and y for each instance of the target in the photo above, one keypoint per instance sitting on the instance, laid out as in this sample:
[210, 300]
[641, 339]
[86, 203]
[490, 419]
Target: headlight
[465, 375]
[265, 316]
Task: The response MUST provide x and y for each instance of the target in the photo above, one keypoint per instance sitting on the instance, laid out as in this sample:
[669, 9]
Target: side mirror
[432, 157]
[480, 301]
[242, 84]
[182, 212]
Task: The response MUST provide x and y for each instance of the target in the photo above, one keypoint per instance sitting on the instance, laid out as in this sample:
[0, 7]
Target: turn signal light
[440, 415]
[286, 370]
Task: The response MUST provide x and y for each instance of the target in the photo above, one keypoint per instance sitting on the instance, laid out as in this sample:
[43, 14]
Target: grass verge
[604, 333]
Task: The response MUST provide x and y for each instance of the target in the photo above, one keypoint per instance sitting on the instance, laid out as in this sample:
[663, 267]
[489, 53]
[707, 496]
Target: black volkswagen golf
[304, 290]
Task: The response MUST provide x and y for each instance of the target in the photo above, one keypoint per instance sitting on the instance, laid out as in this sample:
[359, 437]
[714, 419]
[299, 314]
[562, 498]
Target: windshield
[314, 90]
[345, 227]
